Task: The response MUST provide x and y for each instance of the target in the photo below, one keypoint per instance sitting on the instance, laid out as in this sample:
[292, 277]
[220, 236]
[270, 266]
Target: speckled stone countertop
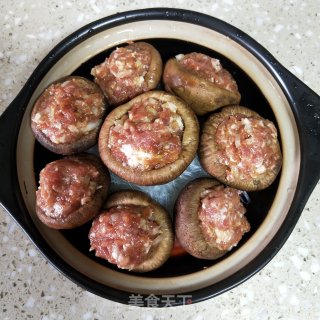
[287, 288]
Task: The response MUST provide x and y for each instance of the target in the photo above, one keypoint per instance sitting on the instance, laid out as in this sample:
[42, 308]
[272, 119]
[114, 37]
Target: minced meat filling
[221, 216]
[69, 110]
[122, 75]
[247, 146]
[149, 136]
[209, 69]
[124, 235]
[65, 186]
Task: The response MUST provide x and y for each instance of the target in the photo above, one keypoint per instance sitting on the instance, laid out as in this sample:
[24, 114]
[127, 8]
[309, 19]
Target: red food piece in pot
[177, 249]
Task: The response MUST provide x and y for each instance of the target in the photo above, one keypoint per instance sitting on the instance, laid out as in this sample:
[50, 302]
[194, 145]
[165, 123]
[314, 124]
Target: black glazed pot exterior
[304, 103]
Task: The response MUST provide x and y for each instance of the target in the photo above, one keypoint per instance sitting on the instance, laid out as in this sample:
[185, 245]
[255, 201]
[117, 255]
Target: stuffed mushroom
[133, 232]
[128, 72]
[201, 81]
[209, 218]
[71, 191]
[240, 148]
[149, 140]
[67, 116]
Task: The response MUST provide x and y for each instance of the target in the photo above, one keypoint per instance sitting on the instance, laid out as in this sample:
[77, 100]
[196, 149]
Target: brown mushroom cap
[84, 143]
[201, 95]
[87, 211]
[154, 73]
[209, 157]
[160, 253]
[187, 225]
[167, 173]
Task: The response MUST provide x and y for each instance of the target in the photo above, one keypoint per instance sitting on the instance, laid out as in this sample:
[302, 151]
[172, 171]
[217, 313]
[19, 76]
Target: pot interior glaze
[267, 209]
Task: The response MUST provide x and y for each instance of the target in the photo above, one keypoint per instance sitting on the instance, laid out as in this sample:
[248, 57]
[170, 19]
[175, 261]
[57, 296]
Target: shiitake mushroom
[201, 82]
[240, 148]
[67, 116]
[209, 218]
[149, 140]
[128, 72]
[133, 231]
[71, 191]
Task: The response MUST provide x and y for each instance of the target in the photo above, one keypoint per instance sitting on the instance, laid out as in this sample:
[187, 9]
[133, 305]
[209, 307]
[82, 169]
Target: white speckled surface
[287, 288]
